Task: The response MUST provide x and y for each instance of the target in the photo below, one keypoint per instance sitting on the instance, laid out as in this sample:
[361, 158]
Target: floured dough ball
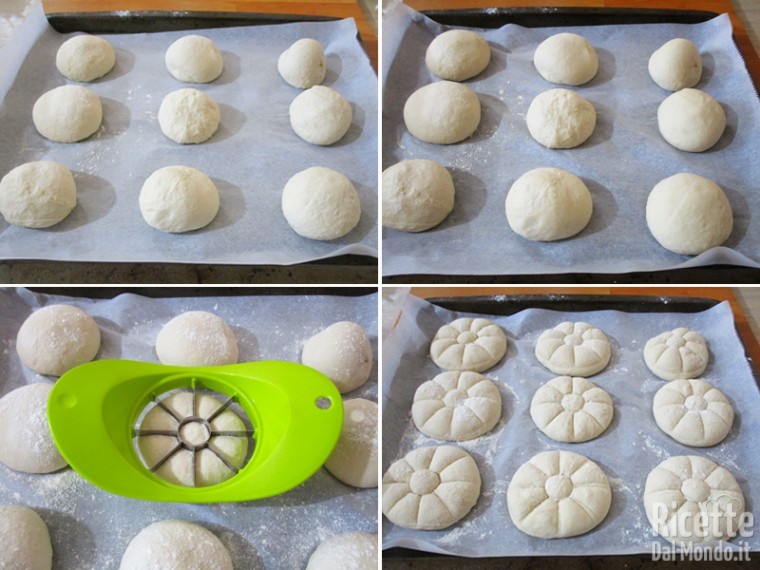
[178, 199]
[457, 55]
[26, 443]
[468, 344]
[303, 64]
[568, 59]
[560, 118]
[343, 353]
[442, 113]
[431, 488]
[320, 115]
[417, 195]
[85, 58]
[676, 65]
[194, 59]
[189, 116]
[574, 349]
[26, 540]
[176, 545]
[689, 214]
[55, 339]
[321, 203]
[354, 459]
[691, 120]
[558, 494]
[548, 204]
[37, 194]
[196, 338]
[456, 406]
[354, 550]
[680, 353]
[67, 114]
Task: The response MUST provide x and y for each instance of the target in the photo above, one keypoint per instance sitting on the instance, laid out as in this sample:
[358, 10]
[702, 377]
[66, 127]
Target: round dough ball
[321, 203]
[67, 114]
[574, 349]
[548, 204]
[189, 116]
[55, 339]
[431, 488]
[560, 118]
[194, 59]
[320, 115]
[680, 353]
[354, 550]
[176, 545]
[37, 194]
[26, 443]
[676, 65]
[343, 353]
[85, 58]
[468, 344]
[178, 199]
[417, 195]
[689, 214]
[691, 120]
[456, 406]
[457, 55]
[567, 59]
[196, 338]
[558, 494]
[26, 540]
[442, 113]
[303, 64]
[354, 459]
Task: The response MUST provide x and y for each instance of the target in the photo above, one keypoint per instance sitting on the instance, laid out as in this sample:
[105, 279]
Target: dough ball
[85, 58]
[342, 352]
[468, 344]
[693, 412]
[320, 115]
[431, 488]
[178, 199]
[457, 55]
[691, 120]
[189, 116]
[354, 459]
[676, 65]
[26, 443]
[680, 353]
[196, 338]
[442, 113]
[567, 59]
[417, 195]
[456, 406]
[560, 118]
[194, 59]
[55, 339]
[37, 194]
[320, 203]
[67, 114]
[303, 64]
[176, 545]
[558, 494]
[354, 550]
[689, 214]
[26, 541]
[573, 349]
[547, 204]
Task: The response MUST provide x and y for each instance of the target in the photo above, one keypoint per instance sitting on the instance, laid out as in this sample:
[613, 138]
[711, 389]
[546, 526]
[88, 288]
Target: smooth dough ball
[303, 64]
[417, 195]
[354, 459]
[176, 545]
[343, 353]
[689, 214]
[568, 59]
[196, 338]
[189, 116]
[680, 353]
[85, 58]
[320, 115]
[691, 120]
[573, 349]
[26, 443]
[354, 550]
[457, 55]
[468, 344]
[178, 199]
[55, 339]
[442, 113]
[37, 194]
[26, 540]
[456, 406]
[558, 494]
[67, 114]
[431, 488]
[548, 204]
[321, 203]
[560, 118]
[676, 65]
[194, 59]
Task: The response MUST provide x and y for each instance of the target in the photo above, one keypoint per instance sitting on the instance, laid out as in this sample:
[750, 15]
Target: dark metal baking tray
[158, 292]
